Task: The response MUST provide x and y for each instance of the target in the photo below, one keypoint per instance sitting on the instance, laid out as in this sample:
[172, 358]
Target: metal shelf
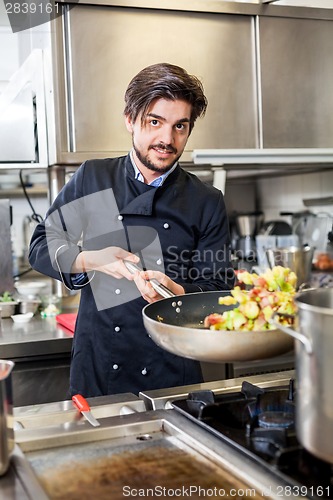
[315, 202]
[18, 192]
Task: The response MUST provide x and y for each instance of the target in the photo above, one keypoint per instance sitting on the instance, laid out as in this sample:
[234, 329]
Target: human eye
[181, 126]
[154, 122]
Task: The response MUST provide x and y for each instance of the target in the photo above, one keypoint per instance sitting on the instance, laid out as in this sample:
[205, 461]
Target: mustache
[164, 147]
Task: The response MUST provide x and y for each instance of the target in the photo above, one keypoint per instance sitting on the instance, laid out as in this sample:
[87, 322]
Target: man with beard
[144, 208]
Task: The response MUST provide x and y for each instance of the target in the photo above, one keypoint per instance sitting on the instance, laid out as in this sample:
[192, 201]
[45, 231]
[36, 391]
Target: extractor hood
[265, 156]
[317, 4]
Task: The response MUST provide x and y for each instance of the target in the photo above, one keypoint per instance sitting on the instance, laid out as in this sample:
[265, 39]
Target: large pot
[314, 371]
[6, 412]
[297, 259]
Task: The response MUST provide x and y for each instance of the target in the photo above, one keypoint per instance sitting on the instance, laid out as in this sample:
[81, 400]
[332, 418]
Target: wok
[176, 325]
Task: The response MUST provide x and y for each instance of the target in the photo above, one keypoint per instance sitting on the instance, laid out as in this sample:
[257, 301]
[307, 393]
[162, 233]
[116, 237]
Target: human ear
[128, 123]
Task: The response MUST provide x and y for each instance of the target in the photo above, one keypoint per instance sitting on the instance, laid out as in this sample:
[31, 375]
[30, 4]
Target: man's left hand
[142, 278]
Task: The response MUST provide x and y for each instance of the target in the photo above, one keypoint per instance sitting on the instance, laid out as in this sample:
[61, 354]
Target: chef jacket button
[159, 262]
[166, 225]
[117, 328]
[144, 371]
[120, 217]
[115, 367]
[117, 291]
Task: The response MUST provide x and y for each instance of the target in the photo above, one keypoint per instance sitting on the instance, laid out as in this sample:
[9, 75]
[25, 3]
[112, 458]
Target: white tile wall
[286, 193]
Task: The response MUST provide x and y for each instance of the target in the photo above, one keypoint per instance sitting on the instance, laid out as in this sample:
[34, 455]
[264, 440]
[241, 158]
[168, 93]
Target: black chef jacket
[112, 352]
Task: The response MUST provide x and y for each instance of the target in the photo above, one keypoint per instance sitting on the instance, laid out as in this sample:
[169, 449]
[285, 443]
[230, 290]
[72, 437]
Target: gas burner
[250, 408]
[273, 419]
[260, 423]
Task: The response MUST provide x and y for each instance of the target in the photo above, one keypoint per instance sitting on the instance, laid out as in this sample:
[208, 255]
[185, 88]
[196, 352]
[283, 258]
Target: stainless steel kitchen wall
[107, 46]
[296, 75]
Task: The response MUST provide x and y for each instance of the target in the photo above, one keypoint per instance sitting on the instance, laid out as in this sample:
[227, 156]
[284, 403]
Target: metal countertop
[21, 484]
[38, 337]
[161, 399]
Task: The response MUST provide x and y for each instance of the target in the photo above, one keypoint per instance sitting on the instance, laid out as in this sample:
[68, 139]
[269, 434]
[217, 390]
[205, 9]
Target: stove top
[260, 423]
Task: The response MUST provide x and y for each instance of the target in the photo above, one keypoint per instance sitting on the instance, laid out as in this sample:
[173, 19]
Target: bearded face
[160, 140]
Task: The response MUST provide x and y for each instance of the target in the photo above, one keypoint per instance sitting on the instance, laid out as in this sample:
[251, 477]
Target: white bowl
[22, 318]
[30, 288]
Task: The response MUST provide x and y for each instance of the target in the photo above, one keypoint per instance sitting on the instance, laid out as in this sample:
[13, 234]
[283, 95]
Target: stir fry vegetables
[271, 291]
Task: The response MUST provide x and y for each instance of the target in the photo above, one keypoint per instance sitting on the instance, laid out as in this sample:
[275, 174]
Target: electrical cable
[36, 217]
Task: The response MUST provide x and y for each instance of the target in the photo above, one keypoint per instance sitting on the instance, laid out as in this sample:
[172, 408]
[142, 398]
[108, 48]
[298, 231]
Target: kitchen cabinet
[266, 72]
[91, 119]
[296, 82]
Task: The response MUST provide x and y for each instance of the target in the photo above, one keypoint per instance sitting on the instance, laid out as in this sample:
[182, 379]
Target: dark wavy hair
[164, 81]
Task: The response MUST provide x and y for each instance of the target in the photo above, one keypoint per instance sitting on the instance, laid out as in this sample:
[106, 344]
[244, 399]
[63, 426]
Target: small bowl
[22, 318]
[8, 308]
[30, 288]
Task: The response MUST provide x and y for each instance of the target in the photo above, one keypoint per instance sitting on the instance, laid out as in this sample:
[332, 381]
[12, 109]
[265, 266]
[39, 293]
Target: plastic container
[51, 306]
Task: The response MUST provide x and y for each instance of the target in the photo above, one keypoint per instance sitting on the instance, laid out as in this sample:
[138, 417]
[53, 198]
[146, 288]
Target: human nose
[167, 135]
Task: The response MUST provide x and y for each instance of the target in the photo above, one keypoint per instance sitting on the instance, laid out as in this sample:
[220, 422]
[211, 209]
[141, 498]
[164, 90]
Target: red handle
[80, 402]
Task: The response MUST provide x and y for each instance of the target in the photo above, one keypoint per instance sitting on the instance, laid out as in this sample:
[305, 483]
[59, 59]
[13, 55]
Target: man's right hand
[108, 260]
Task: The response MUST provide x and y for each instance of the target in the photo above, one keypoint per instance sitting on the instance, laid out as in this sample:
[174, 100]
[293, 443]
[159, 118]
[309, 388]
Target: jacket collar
[142, 204]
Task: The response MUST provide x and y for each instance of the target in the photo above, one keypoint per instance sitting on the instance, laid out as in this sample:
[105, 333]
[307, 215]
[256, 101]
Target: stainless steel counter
[40, 450]
[160, 399]
[38, 337]
[41, 351]
[64, 412]
[137, 434]
[19, 483]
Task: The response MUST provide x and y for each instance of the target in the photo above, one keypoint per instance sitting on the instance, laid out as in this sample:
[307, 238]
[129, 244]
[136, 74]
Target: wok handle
[161, 289]
[158, 287]
[293, 333]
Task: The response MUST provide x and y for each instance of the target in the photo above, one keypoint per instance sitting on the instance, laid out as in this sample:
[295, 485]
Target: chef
[142, 208]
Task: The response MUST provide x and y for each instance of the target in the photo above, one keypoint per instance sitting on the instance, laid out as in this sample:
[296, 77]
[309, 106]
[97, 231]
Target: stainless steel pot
[27, 306]
[8, 308]
[297, 259]
[6, 412]
[314, 371]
